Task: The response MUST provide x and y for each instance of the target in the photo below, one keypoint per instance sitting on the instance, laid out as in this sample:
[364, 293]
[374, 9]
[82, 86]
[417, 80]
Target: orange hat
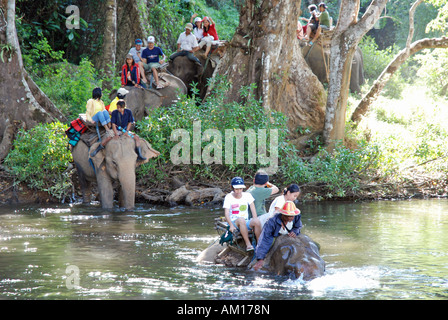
[289, 209]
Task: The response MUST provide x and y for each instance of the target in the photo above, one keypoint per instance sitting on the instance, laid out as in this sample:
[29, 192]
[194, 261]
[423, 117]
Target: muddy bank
[178, 191]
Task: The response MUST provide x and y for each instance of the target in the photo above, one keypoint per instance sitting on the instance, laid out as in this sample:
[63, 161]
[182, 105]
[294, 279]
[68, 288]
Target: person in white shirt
[197, 27]
[187, 45]
[236, 210]
[290, 193]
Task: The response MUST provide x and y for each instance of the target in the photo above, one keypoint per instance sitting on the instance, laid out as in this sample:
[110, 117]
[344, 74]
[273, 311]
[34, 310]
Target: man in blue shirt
[288, 221]
[150, 60]
[122, 121]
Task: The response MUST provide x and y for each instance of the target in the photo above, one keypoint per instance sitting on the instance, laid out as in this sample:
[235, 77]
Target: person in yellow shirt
[96, 112]
[121, 94]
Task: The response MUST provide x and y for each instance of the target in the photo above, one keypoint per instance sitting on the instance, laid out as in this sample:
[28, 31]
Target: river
[386, 250]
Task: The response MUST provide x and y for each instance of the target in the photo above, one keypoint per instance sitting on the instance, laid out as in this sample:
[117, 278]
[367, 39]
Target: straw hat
[289, 209]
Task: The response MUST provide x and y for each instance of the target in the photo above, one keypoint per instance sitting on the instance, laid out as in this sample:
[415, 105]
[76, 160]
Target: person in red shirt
[130, 73]
[210, 34]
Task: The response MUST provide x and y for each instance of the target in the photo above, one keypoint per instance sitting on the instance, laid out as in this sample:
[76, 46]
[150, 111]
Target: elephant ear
[147, 151]
[99, 157]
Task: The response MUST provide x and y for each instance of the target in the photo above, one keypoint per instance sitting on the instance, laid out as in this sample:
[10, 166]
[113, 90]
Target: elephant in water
[114, 166]
[297, 257]
[314, 58]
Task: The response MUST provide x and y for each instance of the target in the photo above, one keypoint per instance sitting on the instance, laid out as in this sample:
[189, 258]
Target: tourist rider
[261, 190]
[288, 221]
[121, 94]
[187, 45]
[290, 193]
[122, 121]
[96, 112]
[151, 60]
[236, 210]
[324, 16]
[210, 34]
[130, 73]
[198, 31]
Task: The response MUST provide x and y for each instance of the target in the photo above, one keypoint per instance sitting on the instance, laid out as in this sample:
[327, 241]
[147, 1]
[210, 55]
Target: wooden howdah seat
[238, 244]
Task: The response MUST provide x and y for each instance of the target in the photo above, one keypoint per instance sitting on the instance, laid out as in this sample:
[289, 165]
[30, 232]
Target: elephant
[189, 72]
[140, 100]
[295, 257]
[112, 166]
[314, 57]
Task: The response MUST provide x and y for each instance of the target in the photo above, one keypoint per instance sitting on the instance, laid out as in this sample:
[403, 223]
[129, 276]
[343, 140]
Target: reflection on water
[375, 250]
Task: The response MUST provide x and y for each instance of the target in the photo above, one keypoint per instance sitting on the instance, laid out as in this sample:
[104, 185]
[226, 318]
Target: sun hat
[289, 209]
[151, 39]
[189, 26]
[237, 183]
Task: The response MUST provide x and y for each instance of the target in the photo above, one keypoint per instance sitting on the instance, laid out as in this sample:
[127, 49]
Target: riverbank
[179, 191]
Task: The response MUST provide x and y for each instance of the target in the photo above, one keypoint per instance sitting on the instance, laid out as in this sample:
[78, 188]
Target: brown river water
[385, 250]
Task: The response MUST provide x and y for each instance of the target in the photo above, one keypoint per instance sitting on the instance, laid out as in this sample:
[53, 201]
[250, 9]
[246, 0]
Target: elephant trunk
[126, 177]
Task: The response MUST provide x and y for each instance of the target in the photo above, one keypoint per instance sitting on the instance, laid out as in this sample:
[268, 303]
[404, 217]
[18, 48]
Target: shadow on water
[374, 250]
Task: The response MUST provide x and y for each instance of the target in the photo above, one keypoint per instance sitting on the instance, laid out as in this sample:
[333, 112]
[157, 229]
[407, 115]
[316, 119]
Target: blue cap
[138, 41]
[237, 182]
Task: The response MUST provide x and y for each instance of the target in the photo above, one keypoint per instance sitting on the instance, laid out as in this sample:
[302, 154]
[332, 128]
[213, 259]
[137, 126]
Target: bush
[40, 158]
[375, 61]
[216, 114]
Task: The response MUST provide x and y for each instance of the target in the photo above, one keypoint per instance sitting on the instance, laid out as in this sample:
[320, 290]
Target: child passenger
[236, 210]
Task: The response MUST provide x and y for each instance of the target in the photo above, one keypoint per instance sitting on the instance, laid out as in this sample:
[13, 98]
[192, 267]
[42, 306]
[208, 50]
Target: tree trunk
[364, 105]
[20, 98]
[265, 51]
[109, 50]
[347, 34]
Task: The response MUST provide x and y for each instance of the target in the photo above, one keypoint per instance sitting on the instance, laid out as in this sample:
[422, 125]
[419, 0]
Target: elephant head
[117, 163]
[189, 72]
[296, 257]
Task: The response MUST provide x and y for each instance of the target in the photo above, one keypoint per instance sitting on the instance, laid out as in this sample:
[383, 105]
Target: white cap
[151, 39]
[197, 19]
[122, 91]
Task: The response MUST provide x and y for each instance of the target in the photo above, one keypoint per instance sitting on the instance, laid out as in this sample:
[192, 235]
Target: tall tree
[410, 49]
[21, 100]
[265, 51]
[109, 50]
[347, 34]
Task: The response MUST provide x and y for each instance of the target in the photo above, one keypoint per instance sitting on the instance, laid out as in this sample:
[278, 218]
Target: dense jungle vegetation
[399, 150]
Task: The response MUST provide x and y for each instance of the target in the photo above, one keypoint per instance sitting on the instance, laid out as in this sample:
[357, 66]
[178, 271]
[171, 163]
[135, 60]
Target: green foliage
[168, 18]
[214, 113]
[40, 158]
[433, 70]
[375, 61]
[68, 86]
[340, 173]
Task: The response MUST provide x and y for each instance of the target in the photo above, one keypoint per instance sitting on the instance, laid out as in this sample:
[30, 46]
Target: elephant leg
[83, 183]
[105, 189]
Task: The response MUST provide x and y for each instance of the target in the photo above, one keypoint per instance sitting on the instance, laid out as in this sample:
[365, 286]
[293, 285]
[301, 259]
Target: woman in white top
[290, 193]
[236, 210]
